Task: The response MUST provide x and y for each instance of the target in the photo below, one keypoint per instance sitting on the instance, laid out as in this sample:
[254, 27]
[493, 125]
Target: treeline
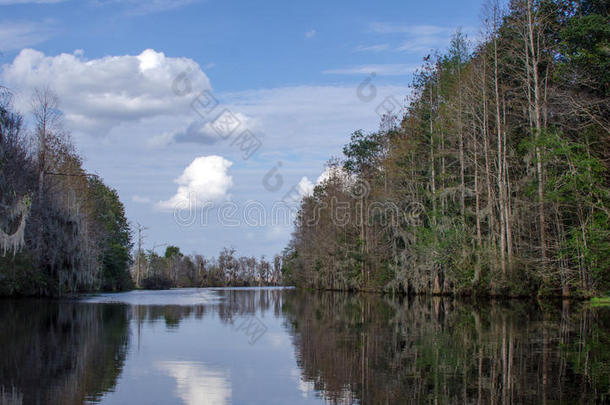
[62, 230]
[494, 180]
[174, 269]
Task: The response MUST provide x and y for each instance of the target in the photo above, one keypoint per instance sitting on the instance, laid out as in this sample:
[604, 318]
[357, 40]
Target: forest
[62, 230]
[174, 269]
[494, 178]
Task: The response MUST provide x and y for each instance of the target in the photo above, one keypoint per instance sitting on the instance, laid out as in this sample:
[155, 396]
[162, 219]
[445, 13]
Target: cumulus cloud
[205, 180]
[100, 94]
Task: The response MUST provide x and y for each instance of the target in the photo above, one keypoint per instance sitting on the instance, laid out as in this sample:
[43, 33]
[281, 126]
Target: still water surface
[281, 346]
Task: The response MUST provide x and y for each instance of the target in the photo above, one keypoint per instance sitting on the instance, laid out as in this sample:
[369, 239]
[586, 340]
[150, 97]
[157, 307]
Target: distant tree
[172, 251]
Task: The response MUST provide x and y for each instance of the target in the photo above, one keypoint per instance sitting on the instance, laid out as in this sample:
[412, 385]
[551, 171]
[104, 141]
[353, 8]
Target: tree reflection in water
[60, 353]
[374, 350]
[350, 348]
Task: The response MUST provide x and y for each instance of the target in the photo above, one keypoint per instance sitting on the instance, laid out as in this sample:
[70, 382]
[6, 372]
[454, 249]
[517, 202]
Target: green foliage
[172, 251]
[600, 301]
[586, 49]
[576, 183]
[362, 153]
[109, 213]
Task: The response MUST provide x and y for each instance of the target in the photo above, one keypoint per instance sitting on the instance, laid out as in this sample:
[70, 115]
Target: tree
[172, 251]
[115, 243]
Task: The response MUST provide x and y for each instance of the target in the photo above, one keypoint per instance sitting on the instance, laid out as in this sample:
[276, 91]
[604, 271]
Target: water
[281, 346]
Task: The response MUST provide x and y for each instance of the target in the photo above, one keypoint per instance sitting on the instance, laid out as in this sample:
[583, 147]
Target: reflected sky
[197, 349]
[196, 383]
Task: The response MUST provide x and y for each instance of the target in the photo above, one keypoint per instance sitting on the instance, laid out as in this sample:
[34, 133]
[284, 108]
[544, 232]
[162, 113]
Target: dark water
[274, 346]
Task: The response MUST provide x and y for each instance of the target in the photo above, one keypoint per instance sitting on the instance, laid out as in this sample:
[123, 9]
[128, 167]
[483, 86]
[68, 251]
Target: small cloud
[206, 132]
[422, 30]
[162, 140]
[141, 200]
[205, 180]
[198, 132]
[305, 187]
[310, 34]
[380, 70]
[18, 35]
[373, 48]
[416, 38]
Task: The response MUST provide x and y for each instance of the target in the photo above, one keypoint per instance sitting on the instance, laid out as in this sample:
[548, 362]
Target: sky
[212, 118]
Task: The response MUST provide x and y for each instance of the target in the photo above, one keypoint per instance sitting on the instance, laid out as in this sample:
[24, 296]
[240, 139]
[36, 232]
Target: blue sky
[288, 72]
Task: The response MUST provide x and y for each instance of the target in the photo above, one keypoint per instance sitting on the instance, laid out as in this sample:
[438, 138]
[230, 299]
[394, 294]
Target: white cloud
[417, 38]
[335, 172]
[17, 35]
[198, 384]
[306, 387]
[305, 186]
[310, 34]
[100, 94]
[205, 180]
[389, 69]
[131, 98]
[140, 200]
[207, 132]
[420, 30]
[373, 48]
